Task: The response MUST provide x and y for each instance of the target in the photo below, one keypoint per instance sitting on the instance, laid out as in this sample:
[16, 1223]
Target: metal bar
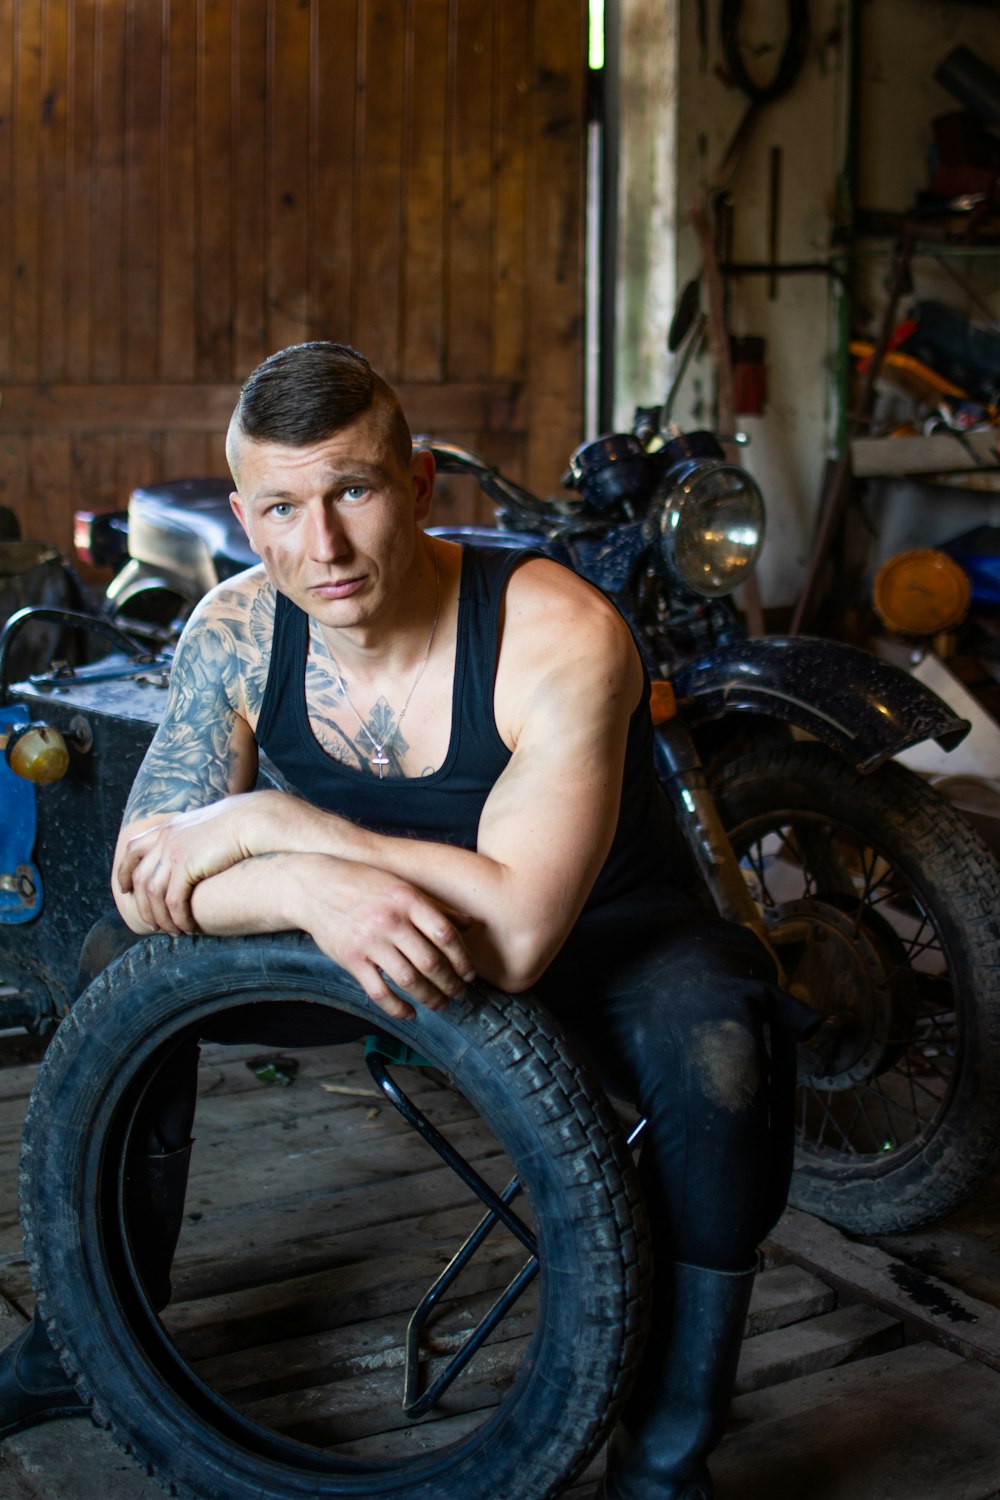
[451, 1272]
[838, 486]
[477, 1337]
[682, 776]
[774, 218]
[447, 1152]
[498, 1211]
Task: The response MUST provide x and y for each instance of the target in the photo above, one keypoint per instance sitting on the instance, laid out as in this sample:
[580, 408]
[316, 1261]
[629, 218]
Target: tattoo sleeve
[195, 756]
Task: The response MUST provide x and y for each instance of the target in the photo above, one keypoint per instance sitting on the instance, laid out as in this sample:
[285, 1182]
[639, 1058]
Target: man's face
[335, 524]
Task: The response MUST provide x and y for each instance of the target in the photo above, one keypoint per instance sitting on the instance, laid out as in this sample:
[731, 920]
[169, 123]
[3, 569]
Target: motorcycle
[777, 751]
[877, 897]
[173, 543]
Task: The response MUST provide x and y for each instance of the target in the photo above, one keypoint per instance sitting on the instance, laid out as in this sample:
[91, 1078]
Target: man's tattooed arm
[204, 748]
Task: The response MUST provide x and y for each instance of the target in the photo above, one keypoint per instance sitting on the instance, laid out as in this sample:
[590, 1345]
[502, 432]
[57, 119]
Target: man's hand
[216, 869]
[161, 866]
[379, 927]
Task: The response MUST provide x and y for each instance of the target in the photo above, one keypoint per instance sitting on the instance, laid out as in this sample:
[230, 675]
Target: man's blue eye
[355, 492]
[282, 508]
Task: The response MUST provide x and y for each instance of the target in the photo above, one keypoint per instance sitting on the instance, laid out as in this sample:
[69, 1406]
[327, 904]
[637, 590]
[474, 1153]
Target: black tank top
[445, 806]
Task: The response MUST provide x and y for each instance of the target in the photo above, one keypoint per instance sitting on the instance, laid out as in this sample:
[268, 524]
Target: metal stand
[416, 1404]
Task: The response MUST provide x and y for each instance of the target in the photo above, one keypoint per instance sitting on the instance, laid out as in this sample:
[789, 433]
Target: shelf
[948, 234]
[941, 453]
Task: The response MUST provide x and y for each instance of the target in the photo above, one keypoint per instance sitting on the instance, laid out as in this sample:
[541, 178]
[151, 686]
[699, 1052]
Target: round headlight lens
[712, 527]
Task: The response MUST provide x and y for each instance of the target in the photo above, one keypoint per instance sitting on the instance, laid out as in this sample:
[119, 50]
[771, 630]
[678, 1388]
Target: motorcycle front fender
[862, 707]
[138, 579]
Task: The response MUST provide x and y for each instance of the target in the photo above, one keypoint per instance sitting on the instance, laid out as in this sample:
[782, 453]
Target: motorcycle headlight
[711, 526]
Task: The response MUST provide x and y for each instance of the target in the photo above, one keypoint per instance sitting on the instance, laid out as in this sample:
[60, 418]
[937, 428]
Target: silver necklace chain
[378, 758]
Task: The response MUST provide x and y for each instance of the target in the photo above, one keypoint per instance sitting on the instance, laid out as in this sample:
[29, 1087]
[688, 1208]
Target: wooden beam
[941, 1312]
[460, 407]
[116, 408]
[819, 1343]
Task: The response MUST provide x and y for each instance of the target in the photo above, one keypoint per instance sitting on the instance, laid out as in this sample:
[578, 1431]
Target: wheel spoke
[881, 902]
[800, 857]
[755, 858]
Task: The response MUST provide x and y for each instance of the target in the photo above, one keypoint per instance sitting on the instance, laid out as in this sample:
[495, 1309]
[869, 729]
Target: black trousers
[678, 1013]
[675, 1011]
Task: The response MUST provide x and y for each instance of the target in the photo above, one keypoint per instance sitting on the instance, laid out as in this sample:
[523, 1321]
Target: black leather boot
[154, 1189]
[33, 1385]
[677, 1411]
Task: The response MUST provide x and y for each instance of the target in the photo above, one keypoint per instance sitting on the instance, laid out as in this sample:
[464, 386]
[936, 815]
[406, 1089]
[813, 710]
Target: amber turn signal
[39, 754]
[662, 702]
[921, 592]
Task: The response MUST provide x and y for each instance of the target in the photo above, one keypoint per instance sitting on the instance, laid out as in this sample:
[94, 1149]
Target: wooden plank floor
[315, 1219]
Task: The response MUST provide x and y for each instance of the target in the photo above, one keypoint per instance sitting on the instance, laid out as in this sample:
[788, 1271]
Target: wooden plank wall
[187, 185]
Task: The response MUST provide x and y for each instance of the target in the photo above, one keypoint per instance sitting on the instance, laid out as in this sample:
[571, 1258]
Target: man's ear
[239, 511]
[422, 471]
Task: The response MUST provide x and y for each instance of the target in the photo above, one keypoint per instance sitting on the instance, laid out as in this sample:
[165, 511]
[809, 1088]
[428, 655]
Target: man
[467, 735]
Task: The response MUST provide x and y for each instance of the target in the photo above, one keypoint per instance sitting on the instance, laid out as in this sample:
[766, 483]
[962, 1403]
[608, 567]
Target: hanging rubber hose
[792, 57]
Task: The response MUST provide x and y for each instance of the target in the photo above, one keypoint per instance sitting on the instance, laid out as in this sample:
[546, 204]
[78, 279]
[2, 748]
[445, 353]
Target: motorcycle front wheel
[261, 1375]
[885, 907]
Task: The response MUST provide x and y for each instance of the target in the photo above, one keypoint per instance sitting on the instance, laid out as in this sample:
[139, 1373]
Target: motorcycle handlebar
[450, 458]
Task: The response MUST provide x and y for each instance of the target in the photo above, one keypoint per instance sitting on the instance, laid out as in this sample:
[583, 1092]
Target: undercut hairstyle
[306, 393]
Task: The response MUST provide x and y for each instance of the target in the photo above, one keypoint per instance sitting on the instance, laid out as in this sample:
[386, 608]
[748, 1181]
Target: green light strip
[596, 54]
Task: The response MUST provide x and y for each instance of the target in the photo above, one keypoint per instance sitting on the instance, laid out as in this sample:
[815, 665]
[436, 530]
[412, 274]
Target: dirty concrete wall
[674, 67]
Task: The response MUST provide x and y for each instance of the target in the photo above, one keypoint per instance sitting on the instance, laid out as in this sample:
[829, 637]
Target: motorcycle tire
[884, 905]
[506, 1058]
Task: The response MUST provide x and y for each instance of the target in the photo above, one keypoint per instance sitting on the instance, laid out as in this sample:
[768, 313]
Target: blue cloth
[21, 895]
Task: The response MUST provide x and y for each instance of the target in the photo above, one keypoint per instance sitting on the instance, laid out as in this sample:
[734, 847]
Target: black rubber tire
[950, 884]
[508, 1060]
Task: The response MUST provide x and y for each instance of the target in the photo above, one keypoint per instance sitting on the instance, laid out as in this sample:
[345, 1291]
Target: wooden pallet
[315, 1220]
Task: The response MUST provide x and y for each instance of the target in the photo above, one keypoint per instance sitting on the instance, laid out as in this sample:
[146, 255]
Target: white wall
[647, 200]
[679, 113]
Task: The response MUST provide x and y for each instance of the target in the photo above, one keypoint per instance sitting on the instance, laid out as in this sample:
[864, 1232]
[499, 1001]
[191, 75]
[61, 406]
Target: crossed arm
[200, 852]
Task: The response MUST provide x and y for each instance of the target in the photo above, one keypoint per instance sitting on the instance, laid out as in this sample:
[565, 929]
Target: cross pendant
[380, 759]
